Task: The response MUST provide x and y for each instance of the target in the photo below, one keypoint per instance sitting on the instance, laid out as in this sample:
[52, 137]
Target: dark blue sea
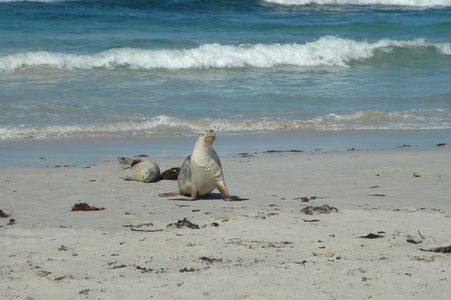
[85, 81]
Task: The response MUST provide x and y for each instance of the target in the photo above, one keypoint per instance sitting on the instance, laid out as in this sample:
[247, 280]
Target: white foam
[406, 3]
[444, 48]
[411, 3]
[327, 51]
[170, 126]
[44, 1]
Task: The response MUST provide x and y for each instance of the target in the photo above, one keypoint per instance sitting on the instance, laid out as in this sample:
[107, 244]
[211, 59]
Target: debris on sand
[3, 214]
[170, 174]
[63, 248]
[184, 223]
[85, 207]
[143, 269]
[187, 270]
[446, 249]
[371, 236]
[305, 199]
[65, 277]
[146, 227]
[325, 209]
[323, 253]
[279, 151]
[245, 154]
[210, 260]
[412, 241]
[42, 273]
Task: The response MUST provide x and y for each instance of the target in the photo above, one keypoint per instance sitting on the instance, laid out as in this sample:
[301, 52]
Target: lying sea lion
[143, 170]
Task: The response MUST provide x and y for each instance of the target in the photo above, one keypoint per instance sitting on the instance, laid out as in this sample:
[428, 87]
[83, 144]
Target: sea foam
[411, 3]
[407, 3]
[327, 51]
[43, 1]
[171, 126]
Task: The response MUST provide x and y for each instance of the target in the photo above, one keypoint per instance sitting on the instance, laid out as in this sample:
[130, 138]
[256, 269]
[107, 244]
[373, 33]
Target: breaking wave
[44, 1]
[407, 3]
[327, 51]
[171, 126]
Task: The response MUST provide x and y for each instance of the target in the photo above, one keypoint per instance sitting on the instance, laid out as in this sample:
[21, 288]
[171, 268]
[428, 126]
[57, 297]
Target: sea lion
[143, 170]
[201, 172]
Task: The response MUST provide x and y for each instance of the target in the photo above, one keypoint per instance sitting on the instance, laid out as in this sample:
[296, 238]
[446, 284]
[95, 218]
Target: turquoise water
[86, 71]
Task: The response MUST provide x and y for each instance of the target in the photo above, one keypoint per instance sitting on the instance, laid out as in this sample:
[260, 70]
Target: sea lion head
[206, 138]
[149, 175]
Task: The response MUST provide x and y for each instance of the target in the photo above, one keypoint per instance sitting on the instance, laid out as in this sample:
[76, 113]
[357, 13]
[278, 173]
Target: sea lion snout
[209, 136]
[150, 175]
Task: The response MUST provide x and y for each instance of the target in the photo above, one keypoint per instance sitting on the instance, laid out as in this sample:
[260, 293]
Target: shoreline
[49, 153]
[265, 247]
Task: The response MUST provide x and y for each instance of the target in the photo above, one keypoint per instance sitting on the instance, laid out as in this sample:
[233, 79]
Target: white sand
[263, 248]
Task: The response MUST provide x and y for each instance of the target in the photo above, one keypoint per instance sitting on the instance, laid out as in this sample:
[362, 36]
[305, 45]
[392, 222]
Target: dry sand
[263, 248]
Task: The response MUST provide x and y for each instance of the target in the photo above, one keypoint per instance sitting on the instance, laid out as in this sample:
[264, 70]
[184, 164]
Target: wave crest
[327, 51]
[405, 3]
[170, 126]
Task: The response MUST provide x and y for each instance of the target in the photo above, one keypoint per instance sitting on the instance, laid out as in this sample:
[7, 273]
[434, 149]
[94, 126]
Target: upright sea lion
[143, 170]
[201, 172]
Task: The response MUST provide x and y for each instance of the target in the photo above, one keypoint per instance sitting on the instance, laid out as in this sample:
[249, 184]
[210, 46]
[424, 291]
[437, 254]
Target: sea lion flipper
[136, 161]
[169, 194]
[193, 191]
[125, 161]
[235, 198]
[222, 188]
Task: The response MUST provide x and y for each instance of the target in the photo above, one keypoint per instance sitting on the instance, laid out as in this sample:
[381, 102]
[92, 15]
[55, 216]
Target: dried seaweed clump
[184, 223]
[446, 249]
[85, 207]
[371, 236]
[3, 214]
[170, 174]
[279, 151]
[325, 209]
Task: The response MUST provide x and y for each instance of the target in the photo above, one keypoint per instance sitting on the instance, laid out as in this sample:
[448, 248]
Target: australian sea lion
[201, 172]
[143, 170]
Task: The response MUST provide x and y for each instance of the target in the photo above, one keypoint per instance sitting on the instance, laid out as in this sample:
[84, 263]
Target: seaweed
[371, 236]
[170, 174]
[85, 207]
[3, 214]
[445, 249]
[184, 223]
[325, 209]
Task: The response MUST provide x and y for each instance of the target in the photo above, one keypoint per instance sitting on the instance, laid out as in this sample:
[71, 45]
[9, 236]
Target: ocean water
[85, 76]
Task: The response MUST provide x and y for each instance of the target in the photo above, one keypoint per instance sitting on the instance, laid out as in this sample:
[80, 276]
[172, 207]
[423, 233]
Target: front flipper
[193, 192]
[169, 194]
[235, 198]
[182, 199]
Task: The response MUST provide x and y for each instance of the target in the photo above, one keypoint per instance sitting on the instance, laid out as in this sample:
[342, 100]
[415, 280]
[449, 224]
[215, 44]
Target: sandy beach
[262, 248]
